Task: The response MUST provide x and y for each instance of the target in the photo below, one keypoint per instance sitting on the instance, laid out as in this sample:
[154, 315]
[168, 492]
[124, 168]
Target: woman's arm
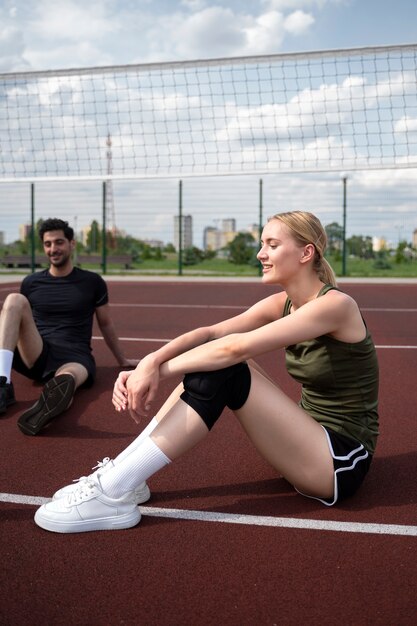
[337, 315]
[259, 314]
[139, 389]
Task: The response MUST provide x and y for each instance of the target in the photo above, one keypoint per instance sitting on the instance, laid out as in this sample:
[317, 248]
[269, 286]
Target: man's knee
[208, 393]
[14, 303]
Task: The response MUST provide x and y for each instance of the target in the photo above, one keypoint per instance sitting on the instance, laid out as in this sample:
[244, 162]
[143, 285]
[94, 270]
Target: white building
[379, 243]
[24, 231]
[187, 232]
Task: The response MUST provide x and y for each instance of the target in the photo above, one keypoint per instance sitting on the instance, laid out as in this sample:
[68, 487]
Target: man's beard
[59, 261]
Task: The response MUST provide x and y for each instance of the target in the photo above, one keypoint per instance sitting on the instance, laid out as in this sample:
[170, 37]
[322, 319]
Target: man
[46, 330]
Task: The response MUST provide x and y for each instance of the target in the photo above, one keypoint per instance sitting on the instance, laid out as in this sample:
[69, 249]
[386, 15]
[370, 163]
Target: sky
[52, 34]
[61, 34]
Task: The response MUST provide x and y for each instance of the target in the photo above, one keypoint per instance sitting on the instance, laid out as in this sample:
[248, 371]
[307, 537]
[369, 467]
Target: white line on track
[235, 306]
[154, 340]
[249, 520]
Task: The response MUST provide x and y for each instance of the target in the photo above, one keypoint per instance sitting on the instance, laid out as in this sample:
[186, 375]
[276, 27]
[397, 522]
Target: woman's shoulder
[337, 296]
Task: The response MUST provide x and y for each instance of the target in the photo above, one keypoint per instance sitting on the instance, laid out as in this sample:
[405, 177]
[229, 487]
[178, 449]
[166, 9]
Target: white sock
[136, 442]
[133, 469]
[6, 360]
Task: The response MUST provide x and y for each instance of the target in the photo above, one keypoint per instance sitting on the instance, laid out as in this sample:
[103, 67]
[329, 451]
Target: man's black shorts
[54, 355]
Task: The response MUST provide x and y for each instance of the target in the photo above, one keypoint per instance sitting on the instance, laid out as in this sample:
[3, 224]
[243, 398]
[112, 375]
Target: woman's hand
[119, 398]
[142, 387]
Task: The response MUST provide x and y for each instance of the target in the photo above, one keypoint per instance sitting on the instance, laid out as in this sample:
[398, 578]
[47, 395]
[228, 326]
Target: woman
[323, 446]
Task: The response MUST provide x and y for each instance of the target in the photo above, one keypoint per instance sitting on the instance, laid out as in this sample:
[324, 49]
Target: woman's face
[280, 254]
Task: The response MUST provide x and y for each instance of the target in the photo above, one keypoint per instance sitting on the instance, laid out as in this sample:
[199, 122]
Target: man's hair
[54, 223]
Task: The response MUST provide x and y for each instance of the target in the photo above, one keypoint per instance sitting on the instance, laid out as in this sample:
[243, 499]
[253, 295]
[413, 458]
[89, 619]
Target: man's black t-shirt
[63, 309]
[63, 306]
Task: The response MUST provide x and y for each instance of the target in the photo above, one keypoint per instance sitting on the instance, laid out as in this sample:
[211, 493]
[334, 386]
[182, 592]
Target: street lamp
[344, 178]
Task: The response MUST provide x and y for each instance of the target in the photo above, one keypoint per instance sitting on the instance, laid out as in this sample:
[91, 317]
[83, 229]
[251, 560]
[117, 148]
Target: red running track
[289, 560]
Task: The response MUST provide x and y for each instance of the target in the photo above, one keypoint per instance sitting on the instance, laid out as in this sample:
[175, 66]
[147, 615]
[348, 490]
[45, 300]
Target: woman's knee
[208, 393]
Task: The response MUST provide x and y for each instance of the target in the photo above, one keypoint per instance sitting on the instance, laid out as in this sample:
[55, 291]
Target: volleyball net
[306, 112]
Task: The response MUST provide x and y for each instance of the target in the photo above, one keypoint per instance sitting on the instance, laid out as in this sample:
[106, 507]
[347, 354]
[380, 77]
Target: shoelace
[81, 492]
[97, 467]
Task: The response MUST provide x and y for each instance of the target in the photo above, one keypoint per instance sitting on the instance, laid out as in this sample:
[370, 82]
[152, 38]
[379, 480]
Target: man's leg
[56, 397]
[17, 328]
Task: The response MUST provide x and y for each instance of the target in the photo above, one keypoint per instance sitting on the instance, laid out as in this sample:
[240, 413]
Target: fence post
[260, 218]
[32, 231]
[104, 244]
[180, 229]
[344, 249]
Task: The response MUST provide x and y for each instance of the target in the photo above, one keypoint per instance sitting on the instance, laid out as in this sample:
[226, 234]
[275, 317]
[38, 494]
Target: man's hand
[129, 362]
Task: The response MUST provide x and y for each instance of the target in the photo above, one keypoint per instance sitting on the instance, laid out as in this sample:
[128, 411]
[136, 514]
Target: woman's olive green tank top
[339, 382]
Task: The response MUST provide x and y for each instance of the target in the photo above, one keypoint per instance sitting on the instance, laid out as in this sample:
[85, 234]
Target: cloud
[265, 34]
[69, 20]
[12, 47]
[209, 32]
[217, 31]
[53, 34]
[294, 5]
[298, 22]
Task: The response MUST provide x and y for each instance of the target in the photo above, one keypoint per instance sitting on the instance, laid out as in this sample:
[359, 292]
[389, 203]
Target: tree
[404, 253]
[94, 237]
[192, 256]
[241, 248]
[334, 234]
[360, 246]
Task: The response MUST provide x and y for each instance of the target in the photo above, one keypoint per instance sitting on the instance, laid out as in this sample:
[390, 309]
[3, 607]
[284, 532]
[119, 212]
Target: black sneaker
[6, 394]
[55, 398]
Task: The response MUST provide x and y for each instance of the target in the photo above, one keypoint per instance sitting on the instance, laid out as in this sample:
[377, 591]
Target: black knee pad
[208, 393]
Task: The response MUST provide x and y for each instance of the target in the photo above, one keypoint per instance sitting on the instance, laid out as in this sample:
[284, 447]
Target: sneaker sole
[56, 397]
[128, 520]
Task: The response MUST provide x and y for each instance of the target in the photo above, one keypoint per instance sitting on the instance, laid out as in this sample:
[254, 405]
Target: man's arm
[108, 330]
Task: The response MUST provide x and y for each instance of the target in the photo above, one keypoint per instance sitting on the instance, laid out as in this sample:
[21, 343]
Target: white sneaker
[142, 492]
[88, 508]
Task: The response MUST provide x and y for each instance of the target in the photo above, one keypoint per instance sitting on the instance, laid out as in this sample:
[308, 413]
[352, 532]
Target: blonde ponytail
[325, 272]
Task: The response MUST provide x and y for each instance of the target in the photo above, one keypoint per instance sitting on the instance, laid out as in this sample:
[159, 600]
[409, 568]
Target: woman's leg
[169, 402]
[180, 430]
[287, 437]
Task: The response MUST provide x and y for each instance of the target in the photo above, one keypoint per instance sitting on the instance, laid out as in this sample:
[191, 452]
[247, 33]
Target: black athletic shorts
[351, 463]
[54, 355]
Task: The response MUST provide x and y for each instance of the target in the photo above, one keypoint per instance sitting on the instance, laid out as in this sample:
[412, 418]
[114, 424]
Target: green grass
[355, 267]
